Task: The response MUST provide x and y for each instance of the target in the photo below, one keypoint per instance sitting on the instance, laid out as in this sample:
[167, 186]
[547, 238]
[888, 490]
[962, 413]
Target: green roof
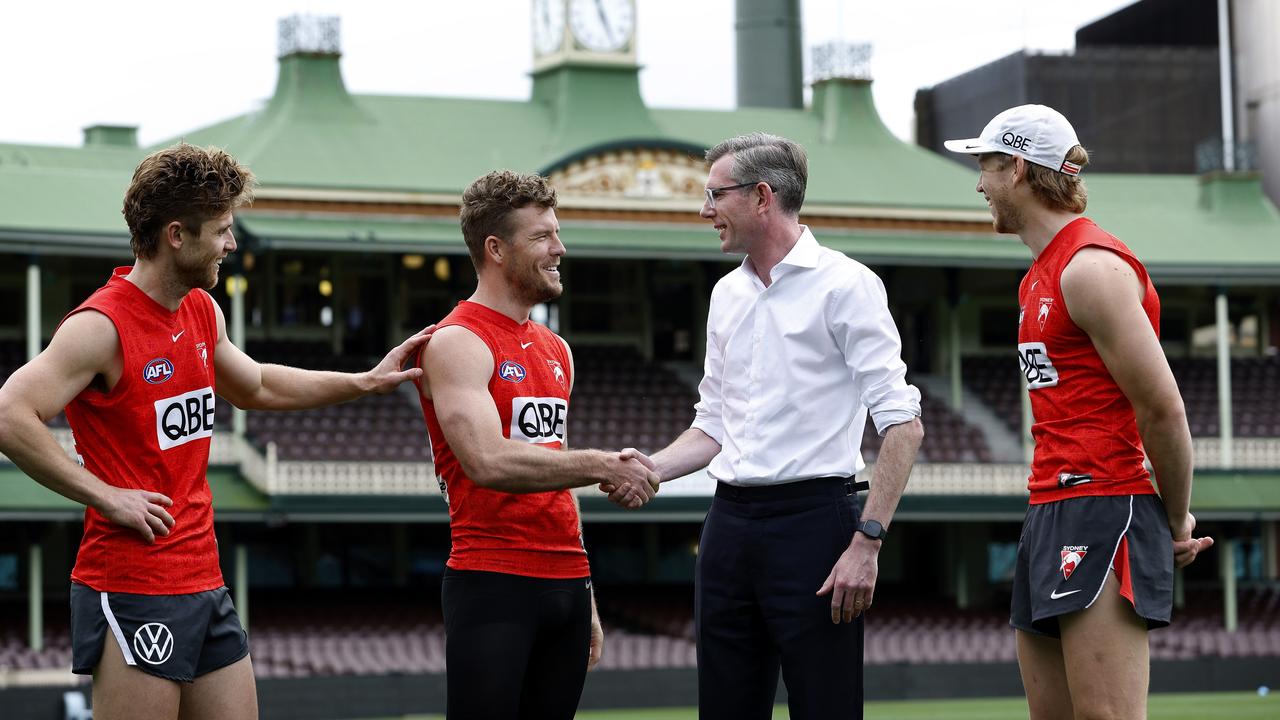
[24, 498]
[314, 136]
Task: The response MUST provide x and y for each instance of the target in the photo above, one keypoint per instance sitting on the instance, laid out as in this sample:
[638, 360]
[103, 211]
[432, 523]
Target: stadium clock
[602, 25]
[548, 26]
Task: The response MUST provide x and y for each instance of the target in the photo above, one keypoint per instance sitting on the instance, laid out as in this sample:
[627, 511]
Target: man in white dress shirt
[800, 347]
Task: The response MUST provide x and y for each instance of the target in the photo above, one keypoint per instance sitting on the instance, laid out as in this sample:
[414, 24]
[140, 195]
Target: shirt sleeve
[707, 413]
[863, 328]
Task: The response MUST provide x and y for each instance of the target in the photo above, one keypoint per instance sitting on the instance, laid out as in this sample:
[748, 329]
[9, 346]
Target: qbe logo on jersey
[538, 420]
[183, 418]
[1037, 368]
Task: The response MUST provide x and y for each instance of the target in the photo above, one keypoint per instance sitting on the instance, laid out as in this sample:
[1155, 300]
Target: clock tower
[583, 32]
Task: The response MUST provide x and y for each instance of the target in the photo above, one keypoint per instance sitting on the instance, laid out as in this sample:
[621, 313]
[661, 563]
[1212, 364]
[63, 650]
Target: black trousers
[515, 647]
[763, 555]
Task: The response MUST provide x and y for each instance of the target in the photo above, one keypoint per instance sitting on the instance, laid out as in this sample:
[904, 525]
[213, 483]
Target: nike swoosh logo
[525, 346]
[1055, 594]
[1034, 284]
[175, 337]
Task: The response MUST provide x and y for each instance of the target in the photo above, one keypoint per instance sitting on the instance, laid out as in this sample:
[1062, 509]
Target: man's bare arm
[690, 452]
[85, 349]
[1103, 297]
[852, 581]
[458, 366]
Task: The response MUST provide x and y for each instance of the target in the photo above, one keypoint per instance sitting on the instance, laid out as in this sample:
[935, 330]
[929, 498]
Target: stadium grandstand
[332, 528]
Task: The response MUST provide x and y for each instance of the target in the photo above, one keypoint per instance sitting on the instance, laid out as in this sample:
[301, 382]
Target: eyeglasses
[713, 193]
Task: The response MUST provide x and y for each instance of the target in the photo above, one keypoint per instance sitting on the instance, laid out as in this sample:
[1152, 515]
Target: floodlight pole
[33, 309]
[237, 286]
[1228, 102]
[1226, 453]
[35, 595]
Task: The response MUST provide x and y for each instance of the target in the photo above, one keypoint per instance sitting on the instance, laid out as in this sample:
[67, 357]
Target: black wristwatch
[872, 529]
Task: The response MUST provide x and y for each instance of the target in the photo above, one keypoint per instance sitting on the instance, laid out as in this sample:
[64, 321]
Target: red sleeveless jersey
[530, 534]
[151, 432]
[1086, 435]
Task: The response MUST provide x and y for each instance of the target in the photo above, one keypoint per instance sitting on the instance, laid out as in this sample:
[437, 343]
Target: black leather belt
[813, 487]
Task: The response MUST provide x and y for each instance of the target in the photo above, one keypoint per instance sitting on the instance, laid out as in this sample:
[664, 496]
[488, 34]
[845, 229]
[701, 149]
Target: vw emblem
[153, 643]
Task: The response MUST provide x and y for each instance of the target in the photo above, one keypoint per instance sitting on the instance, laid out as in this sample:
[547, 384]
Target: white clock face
[548, 25]
[602, 25]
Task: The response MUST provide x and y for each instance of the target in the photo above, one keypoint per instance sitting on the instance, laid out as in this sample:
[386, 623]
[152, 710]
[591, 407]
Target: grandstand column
[646, 315]
[953, 338]
[953, 357]
[1227, 454]
[236, 288]
[961, 568]
[400, 554]
[1270, 539]
[33, 309]
[242, 584]
[1229, 610]
[35, 598]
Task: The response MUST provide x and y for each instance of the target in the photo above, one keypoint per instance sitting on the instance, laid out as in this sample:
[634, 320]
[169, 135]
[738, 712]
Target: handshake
[635, 481]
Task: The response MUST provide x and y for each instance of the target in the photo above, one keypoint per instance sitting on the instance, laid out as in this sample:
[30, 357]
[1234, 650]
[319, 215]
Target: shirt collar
[804, 254]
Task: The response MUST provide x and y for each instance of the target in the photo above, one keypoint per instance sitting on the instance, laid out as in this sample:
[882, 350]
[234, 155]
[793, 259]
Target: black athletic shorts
[516, 647]
[176, 637]
[1068, 547]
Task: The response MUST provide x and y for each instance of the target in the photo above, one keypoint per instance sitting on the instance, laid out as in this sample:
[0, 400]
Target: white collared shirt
[792, 369]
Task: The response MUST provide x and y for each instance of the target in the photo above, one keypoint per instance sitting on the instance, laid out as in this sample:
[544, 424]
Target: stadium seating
[1255, 383]
[649, 627]
[619, 400]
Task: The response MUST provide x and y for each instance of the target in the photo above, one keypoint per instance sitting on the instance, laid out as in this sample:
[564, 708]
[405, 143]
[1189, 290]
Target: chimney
[303, 34]
[310, 82]
[111, 136]
[842, 98]
[770, 68]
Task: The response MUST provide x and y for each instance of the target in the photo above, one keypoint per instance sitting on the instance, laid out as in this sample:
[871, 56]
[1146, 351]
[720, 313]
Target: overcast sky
[172, 66]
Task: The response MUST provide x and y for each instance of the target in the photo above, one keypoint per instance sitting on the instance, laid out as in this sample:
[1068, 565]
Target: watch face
[602, 25]
[548, 25]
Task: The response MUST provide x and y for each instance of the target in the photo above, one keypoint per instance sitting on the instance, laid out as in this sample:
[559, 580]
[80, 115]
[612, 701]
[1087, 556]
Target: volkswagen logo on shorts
[157, 371]
[153, 643]
[512, 372]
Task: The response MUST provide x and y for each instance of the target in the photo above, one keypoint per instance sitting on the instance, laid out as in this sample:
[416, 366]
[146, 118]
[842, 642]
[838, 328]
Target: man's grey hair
[761, 157]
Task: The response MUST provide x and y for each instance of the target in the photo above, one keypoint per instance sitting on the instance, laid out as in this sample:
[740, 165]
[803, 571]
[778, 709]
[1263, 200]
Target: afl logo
[512, 372]
[157, 371]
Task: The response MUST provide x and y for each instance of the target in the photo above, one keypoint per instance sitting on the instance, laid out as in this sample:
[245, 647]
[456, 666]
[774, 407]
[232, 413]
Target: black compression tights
[515, 647]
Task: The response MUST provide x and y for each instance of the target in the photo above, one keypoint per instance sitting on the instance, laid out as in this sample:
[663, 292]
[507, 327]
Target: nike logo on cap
[1055, 594]
[525, 346]
[175, 337]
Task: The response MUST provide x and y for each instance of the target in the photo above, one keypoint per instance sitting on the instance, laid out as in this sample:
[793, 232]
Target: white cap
[1037, 133]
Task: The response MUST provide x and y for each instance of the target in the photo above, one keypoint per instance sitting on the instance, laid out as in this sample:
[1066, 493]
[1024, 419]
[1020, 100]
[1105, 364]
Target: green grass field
[1189, 706]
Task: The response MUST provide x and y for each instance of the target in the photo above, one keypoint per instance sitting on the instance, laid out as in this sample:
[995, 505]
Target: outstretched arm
[84, 350]
[250, 385]
[1104, 297]
[458, 366]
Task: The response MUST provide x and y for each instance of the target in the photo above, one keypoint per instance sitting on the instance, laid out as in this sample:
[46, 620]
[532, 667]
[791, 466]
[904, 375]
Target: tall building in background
[1142, 87]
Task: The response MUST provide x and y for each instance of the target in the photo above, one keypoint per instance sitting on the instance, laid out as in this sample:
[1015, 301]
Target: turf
[1188, 706]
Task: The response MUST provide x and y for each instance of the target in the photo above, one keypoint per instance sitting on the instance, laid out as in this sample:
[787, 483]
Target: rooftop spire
[841, 60]
[309, 35]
